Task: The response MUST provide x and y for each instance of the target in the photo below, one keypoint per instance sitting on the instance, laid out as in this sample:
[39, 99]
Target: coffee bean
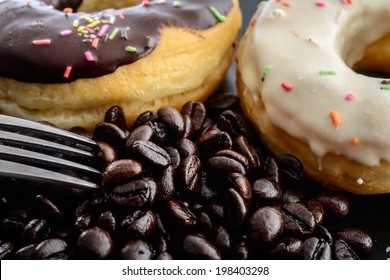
[140, 224]
[266, 191]
[174, 155]
[143, 132]
[343, 252]
[95, 243]
[160, 133]
[137, 250]
[241, 251]
[134, 194]
[186, 147]
[213, 141]
[189, 127]
[221, 102]
[271, 169]
[25, 253]
[179, 215]
[83, 222]
[315, 248]
[166, 189]
[47, 209]
[243, 147]
[265, 225]
[298, 219]
[173, 120]
[317, 209]
[50, 249]
[197, 247]
[222, 240]
[108, 153]
[287, 248]
[144, 118]
[196, 111]
[323, 233]
[236, 211]
[111, 134]
[150, 154]
[358, 239]
[35, 231]
[233, 123]
[5, 250]
[242, 185]
[116, 115]
[121, 171]
[107, 221]
[189, 173]
[336, 204]
[224, 165]
[291, 167]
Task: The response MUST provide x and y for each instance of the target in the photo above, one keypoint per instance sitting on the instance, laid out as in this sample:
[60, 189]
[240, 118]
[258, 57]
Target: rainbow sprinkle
[267, 70]
[287, 86]
[335, 117]
[217, 14]
[350, 96]
[41, 42]
[67, 72]
[327, 72]
[321, 4]
[89, 56]
[130, 49]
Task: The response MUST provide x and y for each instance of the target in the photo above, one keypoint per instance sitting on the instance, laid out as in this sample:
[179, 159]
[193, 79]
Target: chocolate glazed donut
[69, 67]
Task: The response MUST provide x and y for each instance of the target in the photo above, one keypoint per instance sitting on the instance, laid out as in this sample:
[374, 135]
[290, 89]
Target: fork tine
[28, 142]
[41, 160]
[15, 170]
[21, 125]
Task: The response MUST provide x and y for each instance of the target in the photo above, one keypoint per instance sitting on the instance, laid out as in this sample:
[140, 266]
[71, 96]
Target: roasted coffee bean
[166, 186]
[317, 209]
[324, 233]
[95, 243]
[271, 169]
[242, 185]
[179, 215]
[25, 253]
[6, 249]
[172, 119]
[140, 224]
[242, 146]
[207, 191]
[120, 172]
[358, 239]
[143, 132]
[336, 204]
[13, 226]
[240, 251]
[150, 154]
[83, 222]
[298, 219]
[189, 127]
[174, 155]
[45, 208]
[81, 131]
[221, 102]
[186, 147]
[222, 165]
[190, 173]
[195, 246]
[204, 222]
[160, 133]
[265, 225]
[293, 194]
[107, 221]
[196, 111]
[233, 123]
[135, 194]
[222, 240]
[50, 249]
[35, 231]
[108, 153]
[315, 248]
[213, 141]
[137, 249]
[144, 118]
[236, 211]
[216, 212]
[290, 167]
[266, 191]
[111, 134]
[287, 248]
[343, 252]
[116, 115]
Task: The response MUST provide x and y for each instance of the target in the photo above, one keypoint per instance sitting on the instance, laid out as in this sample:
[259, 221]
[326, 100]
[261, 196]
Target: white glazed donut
[297, 84]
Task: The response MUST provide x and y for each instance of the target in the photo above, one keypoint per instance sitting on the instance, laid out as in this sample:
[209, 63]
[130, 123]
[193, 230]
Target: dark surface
[371, 213]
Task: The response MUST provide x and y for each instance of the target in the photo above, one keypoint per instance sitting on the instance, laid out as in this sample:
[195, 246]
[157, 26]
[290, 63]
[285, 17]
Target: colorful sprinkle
[253, 22]
[66, 32]
[287, 86]
[95, 43]
[334, 115]
[94, 24]
[267, 70]
[355, 141]
[321, 4]
[177, 4]
[327, 72]
[286, 4]
[67, 72]
[350, 96]
[76, 23]
[113, 33]
[217, 14]
[88, 19]
[68, 10]
[146, 2]
[121, 16]
[360, 181]
[41, 42]
[130, 49]
[89, 56]
[386, 87]
[103, 30]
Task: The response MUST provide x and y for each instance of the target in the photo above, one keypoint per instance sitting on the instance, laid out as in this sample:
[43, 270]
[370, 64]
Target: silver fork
[36, 152]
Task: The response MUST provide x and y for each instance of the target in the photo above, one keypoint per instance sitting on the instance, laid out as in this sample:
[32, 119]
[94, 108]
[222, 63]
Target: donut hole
[376, 59]
[99, 5]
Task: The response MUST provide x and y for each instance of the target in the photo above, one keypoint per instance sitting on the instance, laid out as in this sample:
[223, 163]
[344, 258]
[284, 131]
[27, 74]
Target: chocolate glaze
[24, 24]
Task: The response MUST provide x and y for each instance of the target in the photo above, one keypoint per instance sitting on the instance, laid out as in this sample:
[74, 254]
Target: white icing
[303, 41]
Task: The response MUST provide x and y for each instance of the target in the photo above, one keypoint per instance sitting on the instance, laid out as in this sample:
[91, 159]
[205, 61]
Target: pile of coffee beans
[193, 183]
